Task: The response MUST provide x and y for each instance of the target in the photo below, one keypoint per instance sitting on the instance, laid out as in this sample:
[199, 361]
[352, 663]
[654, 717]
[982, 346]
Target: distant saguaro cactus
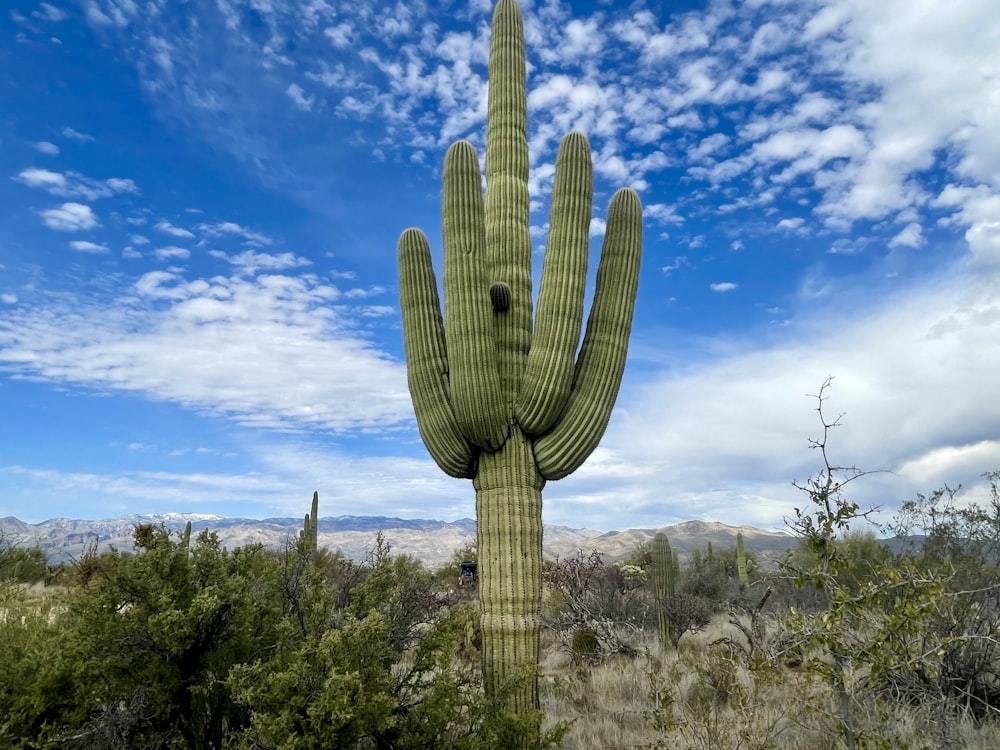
[186, 537]
[741, 563]
[500, 399]
[664, 585]
[310, 527]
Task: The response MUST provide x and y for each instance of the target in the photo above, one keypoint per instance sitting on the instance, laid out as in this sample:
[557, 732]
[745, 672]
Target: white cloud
[76, 135]
[229, 227]
[978, 208]
[250, 262]
[227, 346]
[8, 299]
[49, 13]
[680, 260]
[73, 184]
[909, 236]
[298, 95]
[83, 246]
[340, 35]
[172, 252]
[908, 375]
[662, 213]
[723, 286]
[168, 228]
[46, 147]
[69, 217]
[120, 185]
[41, 178]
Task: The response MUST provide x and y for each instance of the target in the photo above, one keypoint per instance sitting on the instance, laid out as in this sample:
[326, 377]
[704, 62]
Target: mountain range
[432, 542]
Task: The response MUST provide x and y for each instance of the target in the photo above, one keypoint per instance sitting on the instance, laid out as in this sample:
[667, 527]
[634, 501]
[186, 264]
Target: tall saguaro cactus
[741, 564]
[664, 585]
[310, 526]
[501, 398]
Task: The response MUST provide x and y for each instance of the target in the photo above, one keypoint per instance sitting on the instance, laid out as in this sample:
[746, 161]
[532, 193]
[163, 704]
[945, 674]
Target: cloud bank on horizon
[198, 302]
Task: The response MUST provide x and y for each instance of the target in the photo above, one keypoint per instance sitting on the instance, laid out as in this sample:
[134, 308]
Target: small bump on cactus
[500, 297]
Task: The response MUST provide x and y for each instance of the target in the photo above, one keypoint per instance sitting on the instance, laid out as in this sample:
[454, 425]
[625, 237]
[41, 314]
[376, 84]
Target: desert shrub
[20, 564]
[586, 646]
[686, 613]
[586, 593]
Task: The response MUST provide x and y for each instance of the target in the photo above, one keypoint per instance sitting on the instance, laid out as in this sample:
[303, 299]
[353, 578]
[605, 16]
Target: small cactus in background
[503, 397]
[186, 538]
[664, 585]
[741, 564]
[309, 536]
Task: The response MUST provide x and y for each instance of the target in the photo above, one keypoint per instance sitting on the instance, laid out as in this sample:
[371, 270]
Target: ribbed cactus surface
[664, 585]
[503, 396]
[741, 563]
[310, 526]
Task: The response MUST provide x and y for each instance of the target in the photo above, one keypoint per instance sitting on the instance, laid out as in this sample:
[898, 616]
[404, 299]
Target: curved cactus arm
[468, 315]
[427, 359]
[601, 361]
[507, 237]
[548, 376]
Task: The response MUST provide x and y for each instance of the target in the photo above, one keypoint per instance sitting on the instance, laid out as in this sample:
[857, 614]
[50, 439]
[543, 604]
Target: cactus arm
[548, 376]
[427, 359]
[468, 314]
[601, 362]
[507, 206]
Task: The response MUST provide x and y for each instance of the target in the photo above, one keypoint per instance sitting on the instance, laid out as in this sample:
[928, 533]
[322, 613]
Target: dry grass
[713, 697]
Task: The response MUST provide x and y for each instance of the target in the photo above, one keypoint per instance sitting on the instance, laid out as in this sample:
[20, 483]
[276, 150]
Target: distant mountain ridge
[431, 541]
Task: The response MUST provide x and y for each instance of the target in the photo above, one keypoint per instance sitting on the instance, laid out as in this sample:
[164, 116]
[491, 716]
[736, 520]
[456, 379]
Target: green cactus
[500, 398]
[186, 537]
[309, 535]
[664, 585]
[741, 563]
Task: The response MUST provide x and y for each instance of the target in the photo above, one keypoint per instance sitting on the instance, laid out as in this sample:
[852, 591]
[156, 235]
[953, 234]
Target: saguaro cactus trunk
[500, 399]
[664, 586]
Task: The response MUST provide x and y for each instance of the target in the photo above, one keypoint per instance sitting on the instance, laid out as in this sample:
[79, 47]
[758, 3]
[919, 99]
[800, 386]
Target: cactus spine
[664, 585]
[499, 399]
[741, 563]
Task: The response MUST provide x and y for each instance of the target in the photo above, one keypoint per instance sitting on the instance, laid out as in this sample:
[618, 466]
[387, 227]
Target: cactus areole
[502, 398]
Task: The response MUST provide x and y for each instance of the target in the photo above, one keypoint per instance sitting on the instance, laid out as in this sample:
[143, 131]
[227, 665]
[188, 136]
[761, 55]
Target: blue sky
[200, 201]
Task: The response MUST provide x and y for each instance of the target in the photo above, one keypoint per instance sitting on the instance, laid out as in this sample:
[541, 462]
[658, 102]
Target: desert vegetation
[848, 642]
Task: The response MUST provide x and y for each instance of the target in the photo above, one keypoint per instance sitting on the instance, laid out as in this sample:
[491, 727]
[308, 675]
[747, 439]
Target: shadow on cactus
[502, 397]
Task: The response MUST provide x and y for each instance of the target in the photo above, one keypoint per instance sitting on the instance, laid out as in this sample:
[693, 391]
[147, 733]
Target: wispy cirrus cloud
[46, 147]
[266, 350]
[224, 228]
[76, 135]
[74, 185]
[907, 377]
[83, 246]
[167, 228]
